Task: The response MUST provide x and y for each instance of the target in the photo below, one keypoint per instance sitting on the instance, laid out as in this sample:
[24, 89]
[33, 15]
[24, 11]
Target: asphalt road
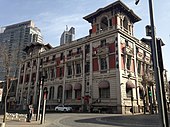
[90, 120]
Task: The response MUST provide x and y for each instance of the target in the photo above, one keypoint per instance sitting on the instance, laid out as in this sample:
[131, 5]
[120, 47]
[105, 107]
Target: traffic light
[149, 92]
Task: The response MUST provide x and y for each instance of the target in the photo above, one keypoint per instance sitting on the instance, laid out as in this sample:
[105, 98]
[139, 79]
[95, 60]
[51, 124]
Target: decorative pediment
[140, 55]
[147, 59]
[128, 50]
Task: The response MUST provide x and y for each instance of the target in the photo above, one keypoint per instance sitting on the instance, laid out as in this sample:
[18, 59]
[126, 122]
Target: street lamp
[160, 98]
[41, 83]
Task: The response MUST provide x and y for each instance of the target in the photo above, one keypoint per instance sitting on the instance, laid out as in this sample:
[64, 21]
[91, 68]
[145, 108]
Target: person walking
[29, 113]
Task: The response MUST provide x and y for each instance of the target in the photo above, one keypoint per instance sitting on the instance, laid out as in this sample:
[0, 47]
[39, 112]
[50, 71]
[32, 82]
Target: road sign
[1, 91]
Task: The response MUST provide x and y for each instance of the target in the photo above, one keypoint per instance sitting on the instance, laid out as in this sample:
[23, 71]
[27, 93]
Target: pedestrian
[29, 113]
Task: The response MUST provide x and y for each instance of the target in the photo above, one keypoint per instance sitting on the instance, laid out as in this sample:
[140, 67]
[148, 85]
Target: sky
[52, 16]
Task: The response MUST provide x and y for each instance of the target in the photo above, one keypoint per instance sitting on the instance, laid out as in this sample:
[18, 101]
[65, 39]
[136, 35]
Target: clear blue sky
[52, 16]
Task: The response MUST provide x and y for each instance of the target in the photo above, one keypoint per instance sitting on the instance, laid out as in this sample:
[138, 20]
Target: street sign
[1, 91]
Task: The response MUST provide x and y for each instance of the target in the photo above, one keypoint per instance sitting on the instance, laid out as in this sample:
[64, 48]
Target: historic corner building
[109, 70]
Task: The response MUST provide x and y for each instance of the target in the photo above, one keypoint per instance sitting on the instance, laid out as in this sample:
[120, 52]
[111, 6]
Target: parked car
[63, 108]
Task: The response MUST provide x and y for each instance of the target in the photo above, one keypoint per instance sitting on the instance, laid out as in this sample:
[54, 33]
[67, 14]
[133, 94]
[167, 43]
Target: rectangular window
[87, 87]
[87, 49]
[103, 63]
[139, 67]
[69, 53]
[79, 50]
[41, 61]
[46, 74]
[128, 64]
[68, 94]
[27, 78]
[61, 71]
[103, 43]
[97, 28]
[129, 93]
[52, 73]
[78, 69]
[61, 56]
[110, 22]
[33, 77]
[53, 58]
[34, 63]
[127, 43]
[69, 70]
[104, 92]
[87, 67]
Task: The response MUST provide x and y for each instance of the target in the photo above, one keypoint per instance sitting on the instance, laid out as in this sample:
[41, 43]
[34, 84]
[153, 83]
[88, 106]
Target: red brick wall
[111, 47]
[112, 61]
[58, 60]
[95, 64]
[132, 67]
[58, 72]
[94, 28]
[114, 21]
[122, 63]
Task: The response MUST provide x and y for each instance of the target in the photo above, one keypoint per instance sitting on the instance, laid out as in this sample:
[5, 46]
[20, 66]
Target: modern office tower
[16, 37]
[67, 36]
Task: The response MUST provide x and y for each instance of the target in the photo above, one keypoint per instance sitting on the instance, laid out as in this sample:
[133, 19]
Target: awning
[129, 84]
[77, 86]
[104, 84]
[68, 87]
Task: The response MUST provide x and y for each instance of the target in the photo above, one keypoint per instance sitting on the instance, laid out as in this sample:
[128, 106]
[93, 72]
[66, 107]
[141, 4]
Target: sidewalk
[22, 123]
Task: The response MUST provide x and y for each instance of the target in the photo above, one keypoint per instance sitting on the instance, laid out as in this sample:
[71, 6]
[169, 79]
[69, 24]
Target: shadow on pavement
[125, 121]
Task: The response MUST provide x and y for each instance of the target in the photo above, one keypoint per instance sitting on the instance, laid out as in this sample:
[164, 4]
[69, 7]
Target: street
[90, 120]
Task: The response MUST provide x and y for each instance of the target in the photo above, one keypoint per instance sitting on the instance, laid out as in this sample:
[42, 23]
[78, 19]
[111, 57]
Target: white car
[62, 108]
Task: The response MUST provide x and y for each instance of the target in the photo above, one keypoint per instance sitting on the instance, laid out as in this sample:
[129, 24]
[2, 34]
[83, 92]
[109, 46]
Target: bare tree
[9, 64]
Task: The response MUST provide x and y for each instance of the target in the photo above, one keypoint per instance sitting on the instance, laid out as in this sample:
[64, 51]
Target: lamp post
[40, 96]
[161, 107]
[45, 93]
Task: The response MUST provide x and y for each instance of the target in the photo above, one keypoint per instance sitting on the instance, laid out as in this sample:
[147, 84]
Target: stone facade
[109, 70]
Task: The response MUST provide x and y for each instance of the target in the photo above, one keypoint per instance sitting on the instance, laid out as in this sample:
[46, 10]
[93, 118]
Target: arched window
[77, 89]
[104, 23]
[141, 91]
[104, 89]
[60, 92]
[68, 91]
[51, 94]
[129, 87]
[125, 23]
[121, 21]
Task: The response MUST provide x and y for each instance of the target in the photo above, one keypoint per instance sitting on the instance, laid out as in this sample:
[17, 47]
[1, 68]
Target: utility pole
[160, 99]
